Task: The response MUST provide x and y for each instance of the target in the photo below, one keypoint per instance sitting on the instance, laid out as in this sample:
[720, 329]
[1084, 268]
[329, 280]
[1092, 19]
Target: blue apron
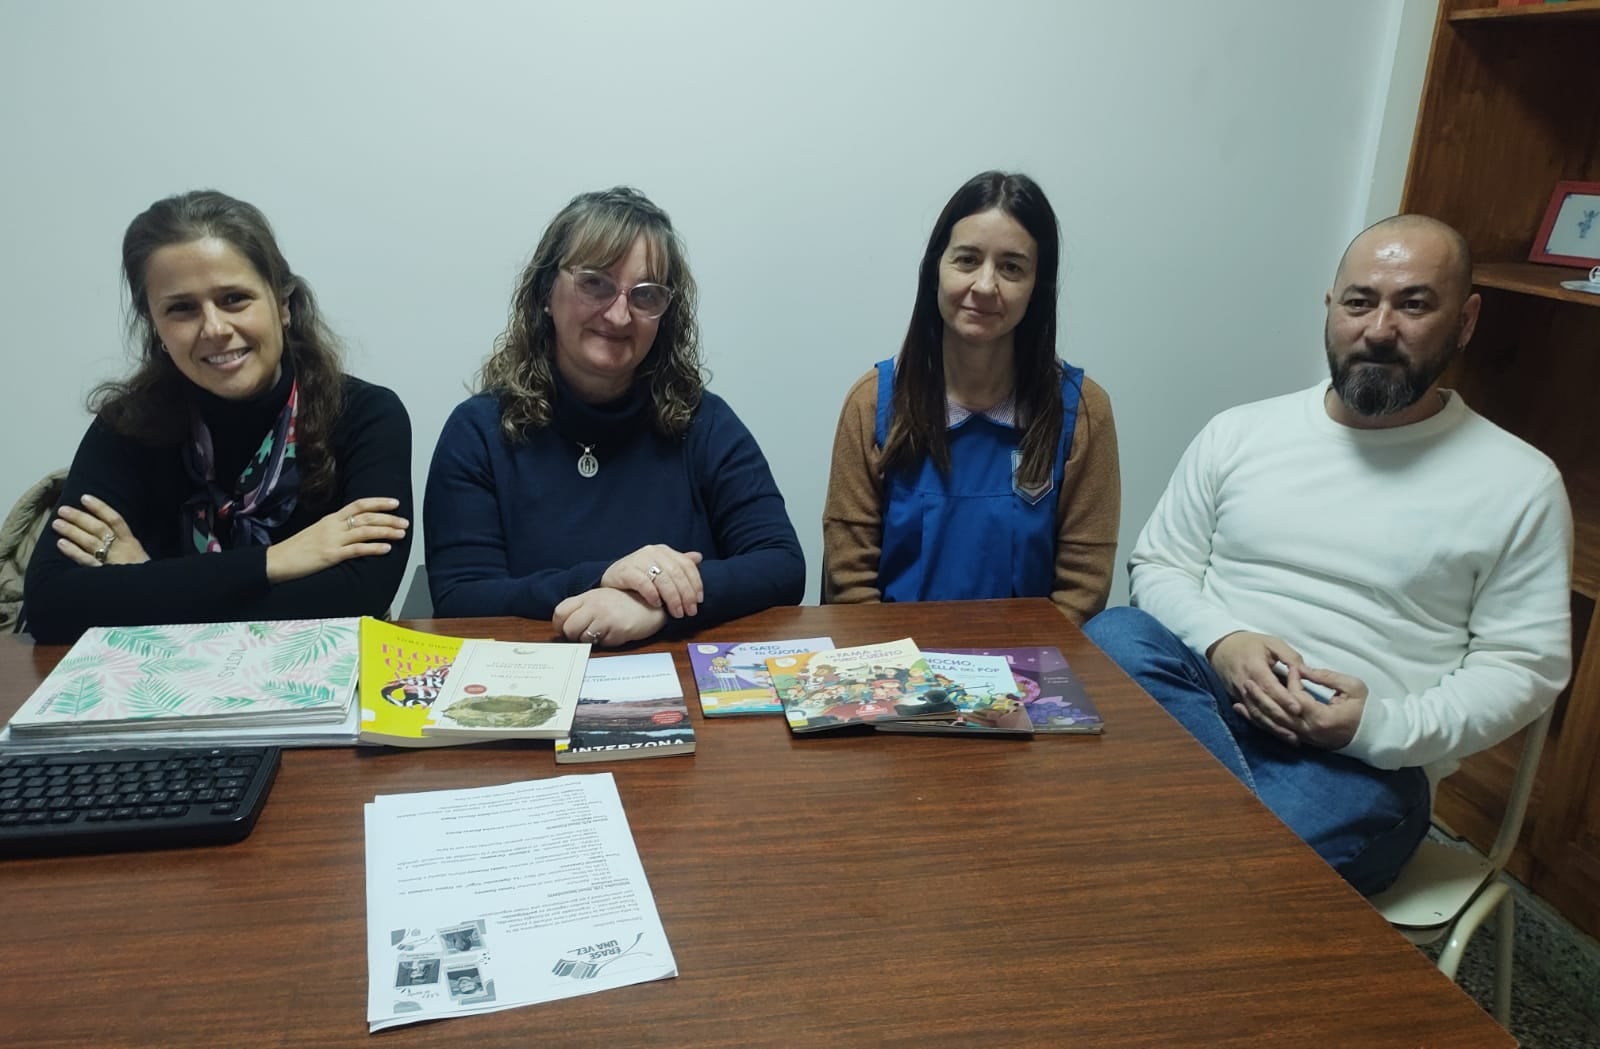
[971, 533]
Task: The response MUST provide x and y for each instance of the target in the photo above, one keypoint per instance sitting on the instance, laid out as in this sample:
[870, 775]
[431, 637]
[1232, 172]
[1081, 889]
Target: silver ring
[105, 547]
[350, 523]
[593, 634]
[655, 570]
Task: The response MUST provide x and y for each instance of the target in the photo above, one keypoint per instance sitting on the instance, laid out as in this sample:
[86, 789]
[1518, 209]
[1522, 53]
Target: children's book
[510, 690]
[402, 674]
[839, 687]
[204, 675]
[1055, 700]
[983, 692]
[630, 707]
[732, 678]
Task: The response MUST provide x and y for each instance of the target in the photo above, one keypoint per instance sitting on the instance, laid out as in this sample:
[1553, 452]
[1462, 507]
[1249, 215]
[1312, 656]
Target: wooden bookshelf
[1571, 11]
[1508, 111]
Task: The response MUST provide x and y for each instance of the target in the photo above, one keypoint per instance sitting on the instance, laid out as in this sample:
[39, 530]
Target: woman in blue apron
[976, 464]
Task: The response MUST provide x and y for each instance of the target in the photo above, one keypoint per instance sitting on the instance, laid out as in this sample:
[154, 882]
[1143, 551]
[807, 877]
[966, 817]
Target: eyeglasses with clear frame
[597, 289]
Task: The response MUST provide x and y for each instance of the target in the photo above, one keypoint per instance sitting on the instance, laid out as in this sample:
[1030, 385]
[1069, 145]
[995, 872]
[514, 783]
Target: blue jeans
[1365, 822]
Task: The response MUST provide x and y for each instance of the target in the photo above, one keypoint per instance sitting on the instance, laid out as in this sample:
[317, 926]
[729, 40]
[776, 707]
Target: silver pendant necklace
[588, 465]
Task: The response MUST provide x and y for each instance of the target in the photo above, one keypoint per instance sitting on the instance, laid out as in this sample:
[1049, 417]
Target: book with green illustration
[509, 690]
[211, 675]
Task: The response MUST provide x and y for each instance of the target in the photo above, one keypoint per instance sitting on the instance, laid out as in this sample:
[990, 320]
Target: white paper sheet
[487, 899]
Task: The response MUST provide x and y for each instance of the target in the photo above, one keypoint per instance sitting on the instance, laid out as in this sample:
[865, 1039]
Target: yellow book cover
[402, 673]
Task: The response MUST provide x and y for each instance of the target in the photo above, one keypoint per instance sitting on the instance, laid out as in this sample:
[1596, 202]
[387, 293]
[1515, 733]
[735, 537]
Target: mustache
[1379, 355]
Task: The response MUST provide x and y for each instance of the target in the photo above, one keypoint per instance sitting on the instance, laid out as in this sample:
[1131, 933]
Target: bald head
[1428, 240]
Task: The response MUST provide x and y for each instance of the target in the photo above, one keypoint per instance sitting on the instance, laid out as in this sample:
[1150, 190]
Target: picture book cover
[982, 691]
[1051, 693]
[510, 690]
[629, 707]
[839, 687]
[732, 678]
[206, 674]
[402, 672]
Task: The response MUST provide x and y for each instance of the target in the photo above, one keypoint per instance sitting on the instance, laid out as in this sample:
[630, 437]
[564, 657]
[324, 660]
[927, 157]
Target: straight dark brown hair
[152, 405]
[918, 430]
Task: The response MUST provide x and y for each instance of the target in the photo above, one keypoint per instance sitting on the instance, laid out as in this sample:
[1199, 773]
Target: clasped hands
[1244, 661]
[98, 535]
[636, 595]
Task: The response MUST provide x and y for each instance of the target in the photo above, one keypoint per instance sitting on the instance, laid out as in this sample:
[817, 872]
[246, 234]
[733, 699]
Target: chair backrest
[1505, 842]
[418, 602]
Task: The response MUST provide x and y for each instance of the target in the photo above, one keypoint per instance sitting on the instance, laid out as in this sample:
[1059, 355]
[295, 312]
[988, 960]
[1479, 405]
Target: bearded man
[1345, 590]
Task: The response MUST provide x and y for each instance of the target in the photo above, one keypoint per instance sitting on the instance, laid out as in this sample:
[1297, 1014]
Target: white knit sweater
[1432, 561]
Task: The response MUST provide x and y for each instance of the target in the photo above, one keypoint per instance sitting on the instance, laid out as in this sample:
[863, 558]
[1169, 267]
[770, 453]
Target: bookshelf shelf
[1528, 278]
[1571, 11]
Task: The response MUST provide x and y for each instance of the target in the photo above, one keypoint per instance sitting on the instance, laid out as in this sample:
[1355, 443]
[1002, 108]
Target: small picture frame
[1570, 232]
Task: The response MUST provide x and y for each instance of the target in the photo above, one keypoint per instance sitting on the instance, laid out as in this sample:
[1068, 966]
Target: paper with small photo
[490, 898]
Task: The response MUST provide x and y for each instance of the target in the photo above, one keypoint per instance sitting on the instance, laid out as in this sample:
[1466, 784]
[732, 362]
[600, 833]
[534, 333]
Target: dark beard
[1389, 385]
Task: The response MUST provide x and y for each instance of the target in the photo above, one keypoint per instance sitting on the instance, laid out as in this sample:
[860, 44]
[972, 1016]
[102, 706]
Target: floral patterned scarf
[261, 499]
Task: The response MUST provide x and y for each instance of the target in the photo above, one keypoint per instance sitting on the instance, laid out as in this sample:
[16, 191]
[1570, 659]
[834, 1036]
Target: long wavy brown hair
[919, 428]
[594, 231]
[152, 404]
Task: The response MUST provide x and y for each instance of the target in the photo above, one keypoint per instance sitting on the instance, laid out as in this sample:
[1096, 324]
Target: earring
[547, 309]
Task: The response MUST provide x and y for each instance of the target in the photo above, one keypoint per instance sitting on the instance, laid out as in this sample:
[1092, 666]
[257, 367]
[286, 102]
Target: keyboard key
[172, 811]
[224, 808]
[123, 813]
[97, 815]
[63, 816]
[149, 812]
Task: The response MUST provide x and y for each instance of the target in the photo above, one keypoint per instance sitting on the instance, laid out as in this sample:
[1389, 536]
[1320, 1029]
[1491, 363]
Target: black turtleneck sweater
[514, 529]
[371, 447]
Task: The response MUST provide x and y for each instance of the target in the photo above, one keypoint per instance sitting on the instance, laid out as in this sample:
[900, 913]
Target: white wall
[1208, 161]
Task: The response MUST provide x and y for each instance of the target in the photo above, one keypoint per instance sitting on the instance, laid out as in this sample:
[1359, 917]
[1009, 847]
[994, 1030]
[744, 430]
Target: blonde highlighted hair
[594, 231]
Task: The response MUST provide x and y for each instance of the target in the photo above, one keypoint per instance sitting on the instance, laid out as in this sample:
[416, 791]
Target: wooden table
[849, 891]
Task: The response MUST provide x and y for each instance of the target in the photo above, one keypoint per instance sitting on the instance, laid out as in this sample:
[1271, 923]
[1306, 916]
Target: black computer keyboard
[124, 799]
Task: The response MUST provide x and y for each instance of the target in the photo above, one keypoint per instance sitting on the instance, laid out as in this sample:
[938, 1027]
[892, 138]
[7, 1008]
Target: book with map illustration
[630, 707]
[509, 690]
[732, 678]
[1056, 702]
[202, 675]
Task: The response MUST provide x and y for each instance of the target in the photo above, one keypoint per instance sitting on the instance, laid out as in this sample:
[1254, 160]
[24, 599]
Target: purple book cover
[732, 677]
[1055, 701]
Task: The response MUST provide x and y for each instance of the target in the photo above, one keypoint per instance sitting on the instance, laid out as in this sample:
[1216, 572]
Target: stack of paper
[487, 899]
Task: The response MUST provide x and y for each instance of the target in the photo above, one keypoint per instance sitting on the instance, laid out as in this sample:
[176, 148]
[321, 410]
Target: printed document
[487, 899]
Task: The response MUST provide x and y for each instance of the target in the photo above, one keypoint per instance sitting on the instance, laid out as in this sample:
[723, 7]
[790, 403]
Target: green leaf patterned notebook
[214, 674]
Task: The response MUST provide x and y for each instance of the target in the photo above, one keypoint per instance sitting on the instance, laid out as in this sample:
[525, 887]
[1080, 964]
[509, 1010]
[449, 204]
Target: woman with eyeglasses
[238, 473]
[977, 464]
[594, 481]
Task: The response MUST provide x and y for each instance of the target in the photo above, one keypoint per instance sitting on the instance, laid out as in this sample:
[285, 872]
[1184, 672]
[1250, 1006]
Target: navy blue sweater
[514, 529]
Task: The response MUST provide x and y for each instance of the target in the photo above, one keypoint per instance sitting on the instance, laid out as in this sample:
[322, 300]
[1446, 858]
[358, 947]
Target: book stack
[288, 682]
[895, 687]
[429, 690]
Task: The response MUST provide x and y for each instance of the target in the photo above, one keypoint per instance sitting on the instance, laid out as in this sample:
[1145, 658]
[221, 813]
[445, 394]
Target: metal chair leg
[1505, 943]
[1461, 932]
